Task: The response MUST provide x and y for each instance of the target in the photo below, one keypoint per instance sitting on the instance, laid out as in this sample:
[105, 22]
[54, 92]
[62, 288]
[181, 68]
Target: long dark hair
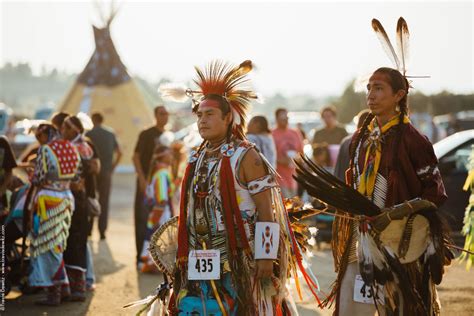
[262, 123]
[397, 82]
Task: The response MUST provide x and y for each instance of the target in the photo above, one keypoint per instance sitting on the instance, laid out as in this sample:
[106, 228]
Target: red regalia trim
[231, 207]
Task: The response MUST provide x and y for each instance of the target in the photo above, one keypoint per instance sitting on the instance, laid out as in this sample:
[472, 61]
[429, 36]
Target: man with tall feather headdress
[391, 249]
[235, 244]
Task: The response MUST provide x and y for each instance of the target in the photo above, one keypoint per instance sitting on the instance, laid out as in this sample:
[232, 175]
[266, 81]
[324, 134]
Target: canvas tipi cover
[105, 86]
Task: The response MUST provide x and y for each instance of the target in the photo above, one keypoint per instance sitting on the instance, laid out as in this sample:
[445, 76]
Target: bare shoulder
[252, 157]
[253, 161]
[252, 166]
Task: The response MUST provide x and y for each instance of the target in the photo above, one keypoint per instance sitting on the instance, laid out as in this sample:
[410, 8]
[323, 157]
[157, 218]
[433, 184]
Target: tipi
[105, 86]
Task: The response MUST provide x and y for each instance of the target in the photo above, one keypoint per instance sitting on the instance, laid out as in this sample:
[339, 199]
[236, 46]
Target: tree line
[350, 102]
[25, 91]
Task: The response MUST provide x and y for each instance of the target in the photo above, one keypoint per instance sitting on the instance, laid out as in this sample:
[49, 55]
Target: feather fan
[330, 190]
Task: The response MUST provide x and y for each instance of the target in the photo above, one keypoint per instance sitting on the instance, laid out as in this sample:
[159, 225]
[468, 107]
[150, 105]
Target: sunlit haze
[307, 47]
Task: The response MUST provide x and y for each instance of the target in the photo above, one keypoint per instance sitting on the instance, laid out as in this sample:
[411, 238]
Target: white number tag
[204, 265]
[365, 294]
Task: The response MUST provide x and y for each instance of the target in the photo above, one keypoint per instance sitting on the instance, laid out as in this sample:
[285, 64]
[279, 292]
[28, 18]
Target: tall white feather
[403, 43]
[386, 44]
[173, 92]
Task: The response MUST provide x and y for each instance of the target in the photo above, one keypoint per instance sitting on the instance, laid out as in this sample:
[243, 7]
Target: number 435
[204, 265]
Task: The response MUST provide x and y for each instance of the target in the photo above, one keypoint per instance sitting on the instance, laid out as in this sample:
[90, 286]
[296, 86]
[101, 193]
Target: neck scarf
[374, 153]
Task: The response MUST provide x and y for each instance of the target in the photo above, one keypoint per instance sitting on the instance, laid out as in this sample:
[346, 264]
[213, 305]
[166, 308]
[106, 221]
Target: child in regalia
[158, 198]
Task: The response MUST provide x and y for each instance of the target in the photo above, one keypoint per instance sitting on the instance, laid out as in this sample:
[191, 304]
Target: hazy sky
[304, 47]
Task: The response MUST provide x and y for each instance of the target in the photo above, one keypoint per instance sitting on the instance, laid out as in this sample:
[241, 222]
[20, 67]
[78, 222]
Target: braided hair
[397, 82]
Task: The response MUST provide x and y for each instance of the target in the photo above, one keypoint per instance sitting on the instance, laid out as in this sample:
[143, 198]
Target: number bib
[365, 294]
[204, 265]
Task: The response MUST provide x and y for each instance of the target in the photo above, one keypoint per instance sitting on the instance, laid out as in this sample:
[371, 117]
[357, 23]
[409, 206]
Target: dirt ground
[118, 282]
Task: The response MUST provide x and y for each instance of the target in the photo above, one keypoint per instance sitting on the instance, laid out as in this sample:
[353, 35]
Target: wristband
[267, 238]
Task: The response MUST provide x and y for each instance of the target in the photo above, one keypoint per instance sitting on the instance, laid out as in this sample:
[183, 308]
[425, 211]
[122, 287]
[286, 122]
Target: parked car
[5, 115]
[309, 121]
[44, 112]
[463, 120]
[453, 154]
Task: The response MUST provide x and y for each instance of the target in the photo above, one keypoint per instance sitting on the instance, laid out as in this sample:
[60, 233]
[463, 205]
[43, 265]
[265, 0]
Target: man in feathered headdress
[234, 242]
[391, 249]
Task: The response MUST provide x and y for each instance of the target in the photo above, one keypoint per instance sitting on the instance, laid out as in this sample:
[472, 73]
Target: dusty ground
[119, 283]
